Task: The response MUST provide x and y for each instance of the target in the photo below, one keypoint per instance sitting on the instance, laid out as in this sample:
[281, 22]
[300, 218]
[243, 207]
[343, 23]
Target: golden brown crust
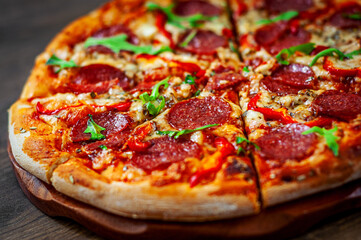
[176, 202]
[33, 147]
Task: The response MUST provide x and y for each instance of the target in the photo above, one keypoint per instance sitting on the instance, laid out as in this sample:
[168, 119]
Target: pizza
[195, 110]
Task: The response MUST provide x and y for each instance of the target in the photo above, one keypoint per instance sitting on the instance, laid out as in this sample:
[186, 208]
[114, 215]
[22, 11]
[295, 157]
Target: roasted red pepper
[270, 114]
[160, 22]
[320, 122]
[214, 163]
[42, 110]
[340, 72]
[135, 141]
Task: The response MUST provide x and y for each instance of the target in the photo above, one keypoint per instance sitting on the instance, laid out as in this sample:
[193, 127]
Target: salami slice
[225, 80]
[165, 151]
[332, 103]
[286, 143]
[113, 122]
[198, 112]
[204, 42]
[289, 79]
[342, 18]
[278, 87]
[188, 8]
[287, 5]
[277, 36]
[112, 31]
[99, 78]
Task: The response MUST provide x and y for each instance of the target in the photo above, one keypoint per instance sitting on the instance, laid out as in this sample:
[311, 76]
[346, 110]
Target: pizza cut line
[195, 110]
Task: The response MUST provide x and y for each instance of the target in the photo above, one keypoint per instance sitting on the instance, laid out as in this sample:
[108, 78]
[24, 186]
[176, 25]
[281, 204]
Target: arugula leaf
[155, 103]
[284, 16]
[306, 48]
[190, 79]
[118, 42]
[353, 53]
[331, 139]
[240, 140]
[94, 129]
[197, 93]
[189, 38]
[331, 51]
[328, 52]
[354, 16]
[176, 134]
[232, 47]
[176, 20]
[103, 147]
[246, 69]
[55, 61]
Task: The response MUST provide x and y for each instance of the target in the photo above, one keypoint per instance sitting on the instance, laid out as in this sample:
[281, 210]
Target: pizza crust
[173, 202]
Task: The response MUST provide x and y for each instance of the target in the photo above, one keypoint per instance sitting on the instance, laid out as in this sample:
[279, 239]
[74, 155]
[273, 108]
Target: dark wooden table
[26, 27]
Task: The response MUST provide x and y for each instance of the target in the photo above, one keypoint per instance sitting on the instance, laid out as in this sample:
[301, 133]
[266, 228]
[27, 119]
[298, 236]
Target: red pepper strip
[270, 114]
[339, 72]
[227, 33]
[242, 7]
[160, 22]
[123, 106]
[214, 163]
[42, 110]
[320, 122]
[135, 141]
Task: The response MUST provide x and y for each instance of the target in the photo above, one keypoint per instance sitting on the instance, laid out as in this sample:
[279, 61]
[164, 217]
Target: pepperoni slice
[277, 36]
[332, 103]
[286, 143]
[289, 79]
[340, 19]
[165, 151]
[112, 31]
[113, 122]
[193, 7]
[287, 5]
[99, 78]
[198, 112]
[278, 87]
[204, 42]
[224, 80]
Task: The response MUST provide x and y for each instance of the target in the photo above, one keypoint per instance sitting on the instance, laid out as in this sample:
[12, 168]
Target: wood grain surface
[26, 27]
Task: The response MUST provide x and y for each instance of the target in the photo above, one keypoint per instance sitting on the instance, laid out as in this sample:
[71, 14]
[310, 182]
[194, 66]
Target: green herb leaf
[240, 149]
[103, 147]
[331, 139]
[306, 48]
[155, 103]
[282, 17]
[55, 61]
[246, 69]
[328, 52]
[197, 93]
[176, 20]
[353, 53]
[94, 129]
[118, 42]
[354, 16]
[189, 38]
[176, 134]
[190, 79]
[232, 47]
[240, 140]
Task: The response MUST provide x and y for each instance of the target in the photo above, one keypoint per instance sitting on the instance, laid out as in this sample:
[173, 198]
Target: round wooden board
[278, 222]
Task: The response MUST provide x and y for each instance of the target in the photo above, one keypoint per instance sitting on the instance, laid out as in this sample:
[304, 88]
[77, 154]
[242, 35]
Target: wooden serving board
[278, 222]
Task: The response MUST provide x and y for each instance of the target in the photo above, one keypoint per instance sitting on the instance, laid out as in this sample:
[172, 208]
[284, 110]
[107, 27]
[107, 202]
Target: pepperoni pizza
[195, 110]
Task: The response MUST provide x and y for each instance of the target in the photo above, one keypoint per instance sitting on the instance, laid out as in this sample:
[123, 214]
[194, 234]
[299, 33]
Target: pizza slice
[186, 164]
[305, 143]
